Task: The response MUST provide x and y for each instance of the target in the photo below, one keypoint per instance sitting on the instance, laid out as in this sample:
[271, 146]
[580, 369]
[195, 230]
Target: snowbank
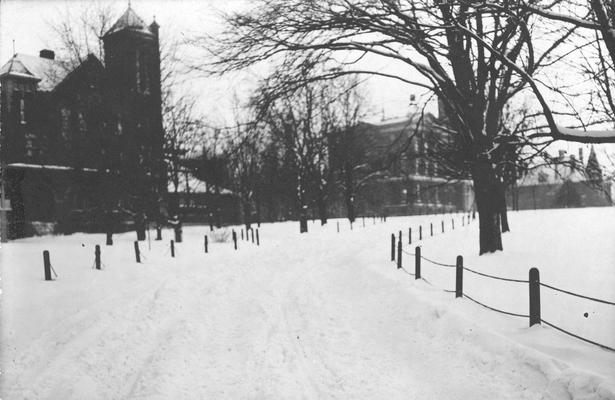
[322, 315]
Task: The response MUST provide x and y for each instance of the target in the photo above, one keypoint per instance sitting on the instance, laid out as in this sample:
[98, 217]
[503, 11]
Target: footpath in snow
[323, 315]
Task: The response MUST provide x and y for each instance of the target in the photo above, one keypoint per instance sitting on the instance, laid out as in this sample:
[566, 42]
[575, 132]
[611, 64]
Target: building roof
[188, 183]
[48, 72]
[129, 21]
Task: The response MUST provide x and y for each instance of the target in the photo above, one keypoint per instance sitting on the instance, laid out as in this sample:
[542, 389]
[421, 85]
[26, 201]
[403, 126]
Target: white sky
[28, 23]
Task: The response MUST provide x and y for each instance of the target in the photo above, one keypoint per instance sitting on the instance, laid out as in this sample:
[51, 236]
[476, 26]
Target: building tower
[132, 62]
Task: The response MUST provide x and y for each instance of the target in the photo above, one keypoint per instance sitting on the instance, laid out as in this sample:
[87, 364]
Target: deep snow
[320, 315]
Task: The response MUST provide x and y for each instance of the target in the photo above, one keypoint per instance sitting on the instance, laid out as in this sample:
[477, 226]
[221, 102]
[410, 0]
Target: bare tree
[476, 56]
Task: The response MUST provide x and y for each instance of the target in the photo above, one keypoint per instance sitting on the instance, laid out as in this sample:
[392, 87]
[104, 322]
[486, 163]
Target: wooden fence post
[47, 265]
[363, 222]
[258, 241]
[235, 239]
[399, 251]
[409, 235]
[392, 247]
[420, 232]
[430, 229]
[463, 218]
[338, 226]
[534, 297]
[172, 248]
[442, 226]
[459, 277]
[242, 233]
[417, 262]
[109, 241]
[252, 234]
[137, 252]
[97, 256]
[453, 223]
[205, 243]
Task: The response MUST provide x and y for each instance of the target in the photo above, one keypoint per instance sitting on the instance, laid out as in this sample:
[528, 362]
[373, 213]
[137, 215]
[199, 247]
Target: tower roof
[48, 72]
[129, 21]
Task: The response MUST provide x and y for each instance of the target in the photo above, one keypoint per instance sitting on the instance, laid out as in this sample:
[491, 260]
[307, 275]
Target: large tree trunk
[247, 214]
[486, 188]
[348, 193]
[503, 209]
[303, 219]
[322, 210]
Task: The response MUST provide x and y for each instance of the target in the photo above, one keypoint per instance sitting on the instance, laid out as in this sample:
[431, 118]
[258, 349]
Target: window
[118, 130]
[64, 122]
[22, 110]
[138, 69]
[82, 123]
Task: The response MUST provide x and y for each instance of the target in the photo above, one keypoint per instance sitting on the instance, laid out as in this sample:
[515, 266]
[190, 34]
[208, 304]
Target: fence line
[577, 295]
[495, 309]
[534, 286]
[496, 277]
[577, 336]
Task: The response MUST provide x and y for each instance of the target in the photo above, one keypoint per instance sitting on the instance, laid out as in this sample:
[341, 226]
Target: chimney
[48, 54]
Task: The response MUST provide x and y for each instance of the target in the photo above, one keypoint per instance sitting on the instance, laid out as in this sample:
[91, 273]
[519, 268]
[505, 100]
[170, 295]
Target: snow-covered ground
[313, 316]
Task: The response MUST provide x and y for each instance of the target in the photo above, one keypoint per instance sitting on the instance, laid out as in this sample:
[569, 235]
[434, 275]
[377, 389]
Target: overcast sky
[28, 23]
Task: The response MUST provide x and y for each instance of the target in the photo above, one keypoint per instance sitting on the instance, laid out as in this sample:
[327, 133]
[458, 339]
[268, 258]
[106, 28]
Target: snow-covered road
[302, 317]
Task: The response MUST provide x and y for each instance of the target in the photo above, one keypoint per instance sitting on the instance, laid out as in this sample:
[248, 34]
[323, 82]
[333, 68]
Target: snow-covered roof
[49, 167]
[188, 183]
[48, 72]
[129, 21]
[566, 169]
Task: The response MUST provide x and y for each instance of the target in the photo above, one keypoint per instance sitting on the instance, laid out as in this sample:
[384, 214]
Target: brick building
[77, 142]
[409, 181]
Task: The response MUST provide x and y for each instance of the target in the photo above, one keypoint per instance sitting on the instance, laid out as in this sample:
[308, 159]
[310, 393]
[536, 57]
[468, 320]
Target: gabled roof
[48, 72]
[129, 21]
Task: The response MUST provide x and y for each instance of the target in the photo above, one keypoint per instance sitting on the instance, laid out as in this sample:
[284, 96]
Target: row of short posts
[534, 282]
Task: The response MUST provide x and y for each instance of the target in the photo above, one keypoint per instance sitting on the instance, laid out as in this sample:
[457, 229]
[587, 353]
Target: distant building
[568, 182]
[410, 182]
[77, 142]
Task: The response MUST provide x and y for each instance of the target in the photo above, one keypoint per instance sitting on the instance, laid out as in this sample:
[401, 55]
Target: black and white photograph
[307, 199]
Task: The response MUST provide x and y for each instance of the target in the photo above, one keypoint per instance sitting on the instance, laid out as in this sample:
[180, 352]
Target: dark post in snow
[463, 218]
[258, 241]
[417, 262]
[442, 226]
[47, 265]
[158, 232]
[409, 235]
[350, 225]
[453, 223]
[241, 233]
[338, 226]
[459, 277]
[363, 222]
[399, 251]
[392, 247]
[172, 248]
[430, 229]
[205, 243]
[109, 241]
[252, 234]
[420, 232]
[235, 239]
[137, 252]
[97, 256]
[534, 297]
